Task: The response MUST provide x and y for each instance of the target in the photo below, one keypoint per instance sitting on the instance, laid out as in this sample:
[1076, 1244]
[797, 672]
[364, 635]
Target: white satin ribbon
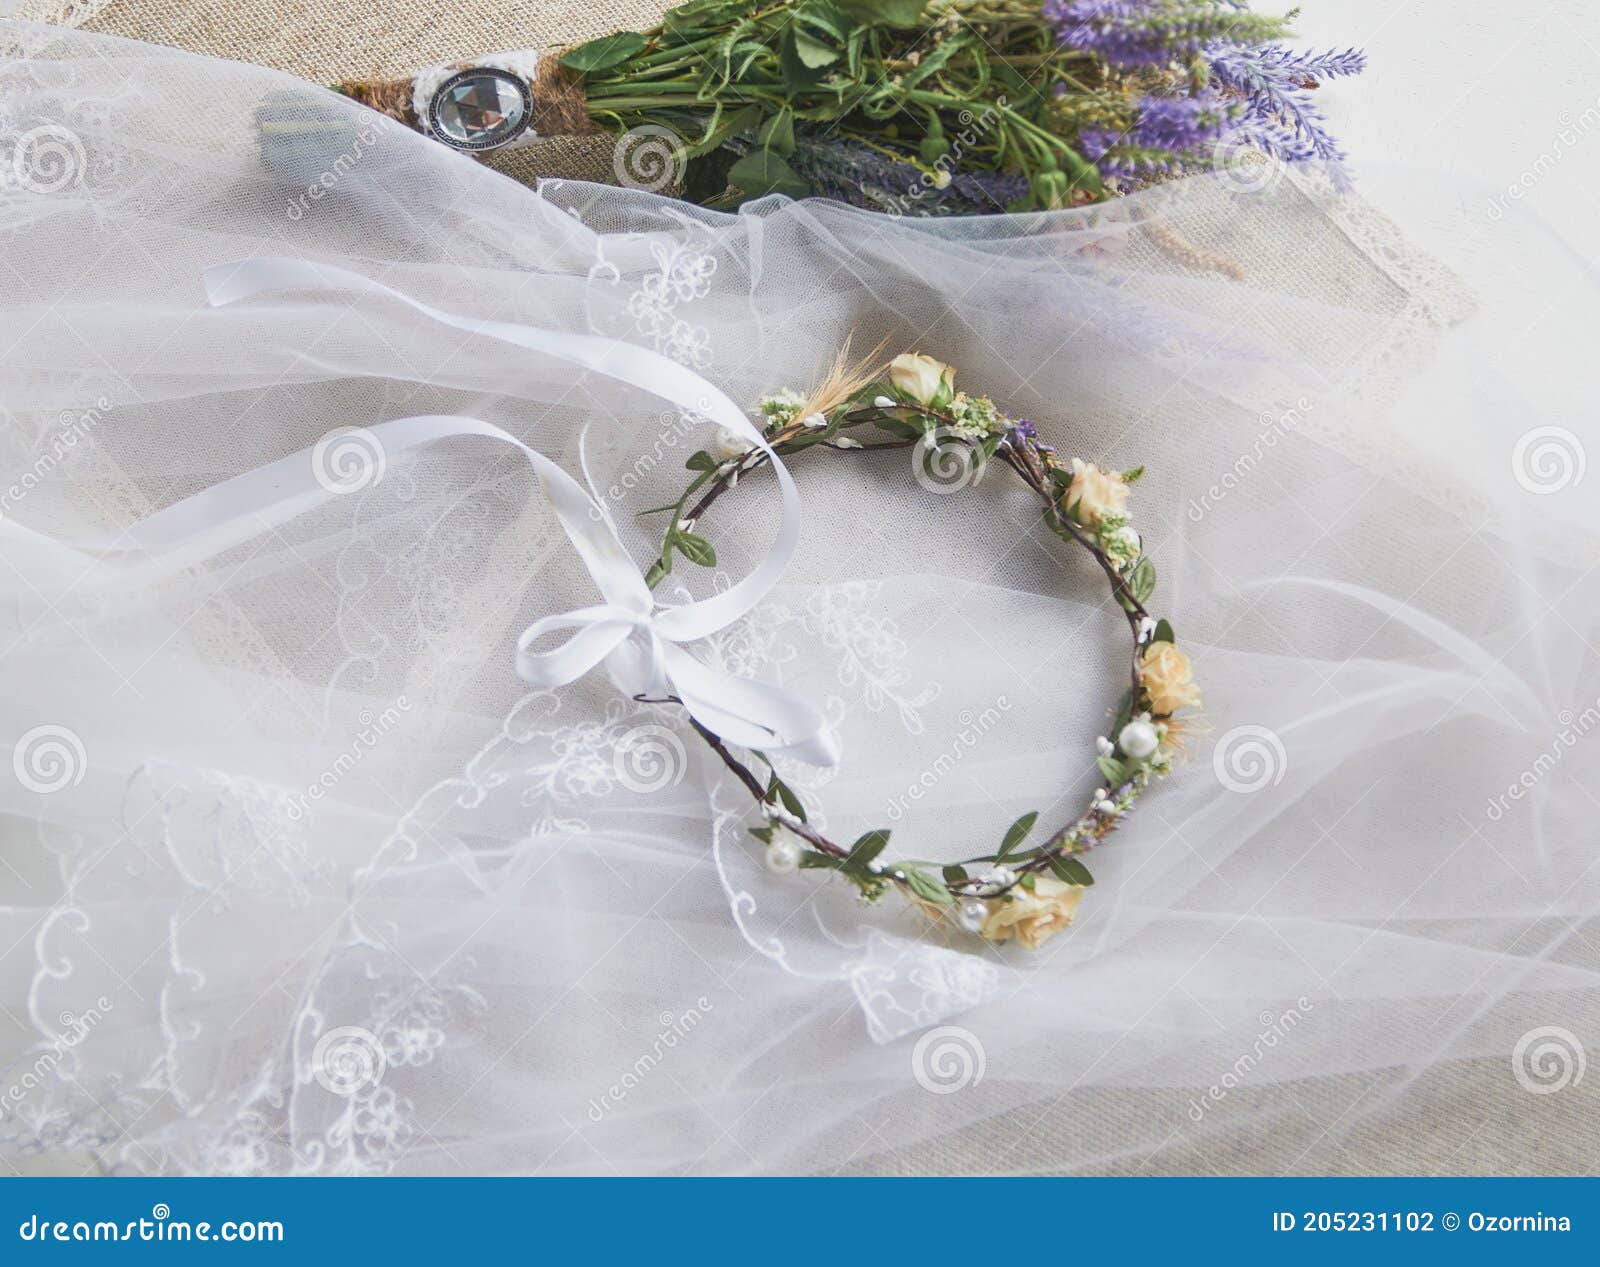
[638, 640]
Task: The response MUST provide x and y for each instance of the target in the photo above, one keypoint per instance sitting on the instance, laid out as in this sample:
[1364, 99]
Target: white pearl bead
[1000, 877]
[728, 445]
[783, 855]
[1139, 740]
[974, 911]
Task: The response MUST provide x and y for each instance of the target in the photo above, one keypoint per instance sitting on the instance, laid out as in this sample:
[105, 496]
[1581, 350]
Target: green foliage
[1071, 870]
[1018, 832]
[739, 80]
[765, 172]
[927, 888]
[1142, 580]
[604, 53]
[785, 796]
[868, 847]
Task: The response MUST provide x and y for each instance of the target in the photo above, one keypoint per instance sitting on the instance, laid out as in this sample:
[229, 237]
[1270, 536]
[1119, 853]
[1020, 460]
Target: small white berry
[882, 402]
[1104, 746]
[783, 854]
[1105, 806]
[814, 421]
[728, 445]
[1139, 740]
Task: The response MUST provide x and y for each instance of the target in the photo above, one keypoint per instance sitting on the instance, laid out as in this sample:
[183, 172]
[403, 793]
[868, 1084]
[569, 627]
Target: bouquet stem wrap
[557, 93]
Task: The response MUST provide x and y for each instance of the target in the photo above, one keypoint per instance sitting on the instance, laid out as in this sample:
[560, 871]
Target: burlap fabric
[326, 41]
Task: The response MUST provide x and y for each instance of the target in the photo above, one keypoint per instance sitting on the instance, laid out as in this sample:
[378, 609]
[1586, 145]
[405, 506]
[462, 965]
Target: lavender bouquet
[958, 106]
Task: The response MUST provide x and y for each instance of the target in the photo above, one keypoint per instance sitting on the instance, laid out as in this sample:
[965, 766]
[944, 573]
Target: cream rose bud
[1033, 918]
[921, 377]
[1096, 493]
[1168, 678]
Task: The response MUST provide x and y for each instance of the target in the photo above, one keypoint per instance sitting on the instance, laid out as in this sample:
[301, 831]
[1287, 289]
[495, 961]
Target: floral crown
[1024, 890]
[1021, 890]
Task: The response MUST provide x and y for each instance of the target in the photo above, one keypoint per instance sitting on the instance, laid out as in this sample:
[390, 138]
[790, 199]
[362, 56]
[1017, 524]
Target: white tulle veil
[299, 877]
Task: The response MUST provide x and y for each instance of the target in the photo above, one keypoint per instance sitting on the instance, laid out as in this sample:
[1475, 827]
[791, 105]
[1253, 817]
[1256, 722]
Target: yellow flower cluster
[1033, 917]
[1097, 494]
[1168, 679]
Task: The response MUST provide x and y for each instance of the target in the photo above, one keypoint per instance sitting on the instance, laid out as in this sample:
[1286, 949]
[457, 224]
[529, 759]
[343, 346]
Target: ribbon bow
[638, 640]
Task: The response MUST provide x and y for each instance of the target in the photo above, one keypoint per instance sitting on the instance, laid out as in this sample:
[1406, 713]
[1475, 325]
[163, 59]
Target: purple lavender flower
[1133, 33]
[862, 176]
[1181, 130]
[1272, 81]
[1258, 91]
[1115, 29]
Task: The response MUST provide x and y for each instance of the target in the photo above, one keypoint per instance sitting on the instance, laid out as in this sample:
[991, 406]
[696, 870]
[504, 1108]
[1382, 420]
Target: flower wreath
[1021, 890]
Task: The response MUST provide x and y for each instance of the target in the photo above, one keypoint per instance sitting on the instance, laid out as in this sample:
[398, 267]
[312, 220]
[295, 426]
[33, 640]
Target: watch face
[480, 108]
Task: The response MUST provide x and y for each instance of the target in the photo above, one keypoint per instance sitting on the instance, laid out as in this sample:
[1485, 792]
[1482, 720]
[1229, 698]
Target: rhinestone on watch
[480, 108]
